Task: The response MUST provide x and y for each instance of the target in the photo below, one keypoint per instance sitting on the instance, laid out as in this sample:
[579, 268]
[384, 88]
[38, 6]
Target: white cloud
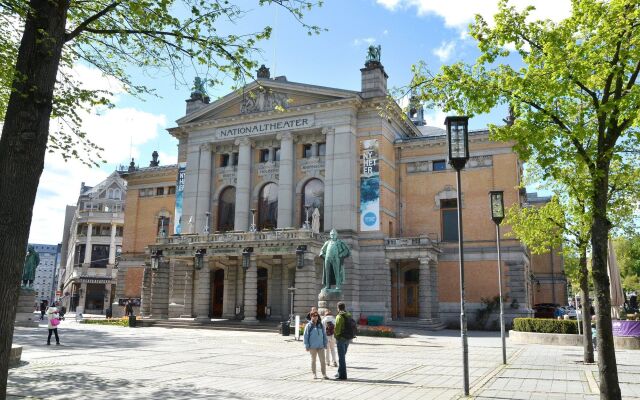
[367, 40]
[385, 32]
[435, 118]
[459, 13]
[445, 50]
[120, 131]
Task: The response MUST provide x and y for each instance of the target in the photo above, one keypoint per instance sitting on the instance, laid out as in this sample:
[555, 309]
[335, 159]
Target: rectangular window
[142, 192]
[160, 191]
[172, 190]
[449, 215]
[264, 155]
[224, 160]
[276, 154]
[306, 151]
[439, 165]
[322, 149]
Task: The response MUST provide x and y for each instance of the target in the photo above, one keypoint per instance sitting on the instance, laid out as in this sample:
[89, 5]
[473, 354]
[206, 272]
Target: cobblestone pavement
[104, 362]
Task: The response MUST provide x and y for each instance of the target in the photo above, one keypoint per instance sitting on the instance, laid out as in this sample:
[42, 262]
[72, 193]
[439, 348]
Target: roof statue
[154, 162]
[263, 72]
[373, 55]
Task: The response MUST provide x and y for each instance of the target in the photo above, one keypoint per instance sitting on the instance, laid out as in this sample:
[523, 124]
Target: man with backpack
[345, 330]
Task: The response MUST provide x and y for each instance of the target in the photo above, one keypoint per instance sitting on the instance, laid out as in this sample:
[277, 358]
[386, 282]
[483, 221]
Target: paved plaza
[105, 362]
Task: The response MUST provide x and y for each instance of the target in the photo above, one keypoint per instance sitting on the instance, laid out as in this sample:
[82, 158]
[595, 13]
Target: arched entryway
[217, 293]
[405, 290]
[263, 278]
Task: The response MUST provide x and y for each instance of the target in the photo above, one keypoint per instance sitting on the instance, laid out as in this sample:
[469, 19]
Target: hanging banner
[370, 187]
[177, 222]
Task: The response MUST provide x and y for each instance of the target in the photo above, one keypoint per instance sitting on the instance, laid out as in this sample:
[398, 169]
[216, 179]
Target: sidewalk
[107, 362]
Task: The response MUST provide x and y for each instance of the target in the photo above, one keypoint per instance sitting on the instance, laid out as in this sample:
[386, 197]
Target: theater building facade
[236, 237]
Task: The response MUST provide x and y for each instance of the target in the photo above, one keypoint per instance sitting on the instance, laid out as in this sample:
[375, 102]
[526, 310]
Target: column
[145, 308]
[229, 300]
[160, 291]
[314, 149]
[390, 301]
[328, 178]
[272, 153]
[87, 249]
[83, 298]
[203, 189]
[424, 290]
[306, 294]
[286, 307]
[112, 245]
[251, 293]
[232, 157]
[435, 306]
[243, 185]
[285, 183]
[202, 295]
[107, 297]
[190, 194]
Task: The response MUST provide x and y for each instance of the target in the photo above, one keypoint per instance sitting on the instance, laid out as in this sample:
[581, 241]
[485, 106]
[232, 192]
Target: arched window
[268, 207]
[313, 196]
[116, 194]
[227, 209]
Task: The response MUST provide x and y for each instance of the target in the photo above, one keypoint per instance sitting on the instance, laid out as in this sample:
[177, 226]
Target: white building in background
[92, 237]
[45, 281]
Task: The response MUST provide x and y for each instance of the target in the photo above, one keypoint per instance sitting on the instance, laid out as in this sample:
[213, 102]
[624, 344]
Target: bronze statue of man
[334, 251]
[30, 264]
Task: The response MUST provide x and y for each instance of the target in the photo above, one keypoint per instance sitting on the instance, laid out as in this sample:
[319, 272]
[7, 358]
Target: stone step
[268, 326]
[434, 325]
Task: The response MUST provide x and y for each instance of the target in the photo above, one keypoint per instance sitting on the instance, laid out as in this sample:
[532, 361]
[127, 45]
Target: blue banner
[370, 187]
[177, 223]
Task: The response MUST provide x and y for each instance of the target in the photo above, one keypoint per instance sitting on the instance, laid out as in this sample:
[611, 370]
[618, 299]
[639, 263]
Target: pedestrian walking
[329, 322]
[53, 315]
[344, 332]
[128, 308]
[315, 342]
[43, 308]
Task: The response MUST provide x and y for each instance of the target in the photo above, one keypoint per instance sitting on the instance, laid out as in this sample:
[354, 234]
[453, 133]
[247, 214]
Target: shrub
[545, 325]
[377, 331]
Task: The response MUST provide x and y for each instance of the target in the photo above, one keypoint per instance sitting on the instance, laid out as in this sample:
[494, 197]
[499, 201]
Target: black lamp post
[496, 200]
[199, 258]
[458, 143]
[300, 250]
[156, 258]
[246, 258]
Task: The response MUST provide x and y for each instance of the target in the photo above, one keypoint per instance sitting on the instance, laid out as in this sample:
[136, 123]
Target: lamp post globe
[496, 204]
[458, 146]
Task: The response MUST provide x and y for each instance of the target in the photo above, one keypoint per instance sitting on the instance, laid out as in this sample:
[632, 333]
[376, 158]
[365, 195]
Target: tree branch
[84, 26]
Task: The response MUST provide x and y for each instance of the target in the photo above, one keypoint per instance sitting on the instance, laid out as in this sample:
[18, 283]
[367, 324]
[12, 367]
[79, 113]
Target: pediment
[266, 96]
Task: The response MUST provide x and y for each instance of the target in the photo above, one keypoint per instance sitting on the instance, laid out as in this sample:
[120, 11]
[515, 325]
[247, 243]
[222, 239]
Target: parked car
[570, 311]
[545, 310]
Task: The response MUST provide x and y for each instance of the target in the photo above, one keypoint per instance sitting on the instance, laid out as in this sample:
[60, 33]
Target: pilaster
[203, 190]
[87, 249]
[328, 170]
[160, 291]
[202, 295]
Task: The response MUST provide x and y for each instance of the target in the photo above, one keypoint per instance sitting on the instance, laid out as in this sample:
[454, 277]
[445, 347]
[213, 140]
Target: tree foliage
[628, 256]
[167, 38]
[573, 89]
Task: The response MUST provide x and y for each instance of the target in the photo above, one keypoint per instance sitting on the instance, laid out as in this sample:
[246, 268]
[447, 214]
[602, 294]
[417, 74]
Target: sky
[434, 31]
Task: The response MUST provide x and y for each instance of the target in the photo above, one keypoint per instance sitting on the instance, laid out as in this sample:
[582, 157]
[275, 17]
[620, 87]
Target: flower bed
[377, 331]
[124, 321]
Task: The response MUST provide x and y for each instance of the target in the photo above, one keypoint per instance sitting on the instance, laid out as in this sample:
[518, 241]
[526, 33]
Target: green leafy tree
[41, 40]
[628, 256]
[563, 222]
[575, 97]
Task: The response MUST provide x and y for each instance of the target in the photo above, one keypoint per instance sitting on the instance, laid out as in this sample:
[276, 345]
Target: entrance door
[217, 293]
[411, 280]
[263, 275]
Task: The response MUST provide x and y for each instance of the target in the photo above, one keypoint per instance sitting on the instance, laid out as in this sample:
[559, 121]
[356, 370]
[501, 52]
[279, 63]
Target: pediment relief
[256, 99]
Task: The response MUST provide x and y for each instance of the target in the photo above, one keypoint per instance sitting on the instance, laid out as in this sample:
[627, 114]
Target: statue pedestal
[24, 312]
[328, 300]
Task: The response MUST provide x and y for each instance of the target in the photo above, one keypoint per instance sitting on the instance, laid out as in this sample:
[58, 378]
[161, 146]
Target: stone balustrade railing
[230, 237]
[411, 241]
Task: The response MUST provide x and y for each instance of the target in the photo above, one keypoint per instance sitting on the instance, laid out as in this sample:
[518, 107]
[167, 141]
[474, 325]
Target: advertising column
[370, 187]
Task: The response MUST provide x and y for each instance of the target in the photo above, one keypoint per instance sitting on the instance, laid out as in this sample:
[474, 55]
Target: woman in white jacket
[53, 315]
[330, 324]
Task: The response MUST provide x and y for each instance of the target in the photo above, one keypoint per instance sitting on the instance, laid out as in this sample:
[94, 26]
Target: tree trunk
[22, 150]
[587, 341]
[609, 386]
